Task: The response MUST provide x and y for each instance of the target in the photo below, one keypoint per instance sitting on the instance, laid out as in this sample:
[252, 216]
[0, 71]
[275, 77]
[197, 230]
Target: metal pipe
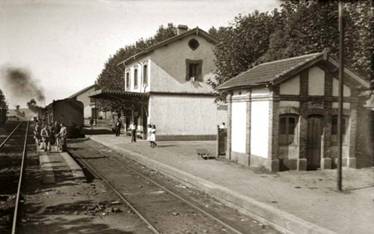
[340, 111]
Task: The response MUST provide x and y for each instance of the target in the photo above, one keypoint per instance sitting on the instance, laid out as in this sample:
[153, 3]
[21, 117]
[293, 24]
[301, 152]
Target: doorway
[314, 137]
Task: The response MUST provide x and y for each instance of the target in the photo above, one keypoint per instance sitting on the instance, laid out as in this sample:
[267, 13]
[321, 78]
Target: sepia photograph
[186, 116]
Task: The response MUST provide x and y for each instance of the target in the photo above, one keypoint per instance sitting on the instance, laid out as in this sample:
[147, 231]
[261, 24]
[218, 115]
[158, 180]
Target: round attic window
[193, 44]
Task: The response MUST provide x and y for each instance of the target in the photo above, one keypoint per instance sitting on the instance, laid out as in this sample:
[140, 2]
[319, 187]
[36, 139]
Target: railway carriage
[67, 111]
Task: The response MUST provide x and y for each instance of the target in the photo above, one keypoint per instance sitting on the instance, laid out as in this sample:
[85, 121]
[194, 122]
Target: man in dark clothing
[133, 132]
[118, 127]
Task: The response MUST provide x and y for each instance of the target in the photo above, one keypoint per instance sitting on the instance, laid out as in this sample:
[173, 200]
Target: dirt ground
[73, 206]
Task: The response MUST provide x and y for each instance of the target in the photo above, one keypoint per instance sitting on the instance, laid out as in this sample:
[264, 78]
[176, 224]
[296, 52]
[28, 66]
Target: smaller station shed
[282, 115]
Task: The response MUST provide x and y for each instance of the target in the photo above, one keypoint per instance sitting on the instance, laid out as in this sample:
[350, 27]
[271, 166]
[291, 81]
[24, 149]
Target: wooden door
[314, 137]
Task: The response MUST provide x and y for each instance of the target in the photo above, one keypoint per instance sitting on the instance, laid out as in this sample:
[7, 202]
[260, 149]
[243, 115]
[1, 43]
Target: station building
[166, 85]
[282, 115]
[84, 97]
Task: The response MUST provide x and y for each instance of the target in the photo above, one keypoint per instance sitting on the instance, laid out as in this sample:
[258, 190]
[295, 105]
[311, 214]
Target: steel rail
[223, 223]
[24, 152]
[9, 136]
[218, 220]
[119, 194]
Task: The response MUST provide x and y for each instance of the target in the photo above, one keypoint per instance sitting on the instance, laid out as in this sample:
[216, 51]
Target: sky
[64, 44]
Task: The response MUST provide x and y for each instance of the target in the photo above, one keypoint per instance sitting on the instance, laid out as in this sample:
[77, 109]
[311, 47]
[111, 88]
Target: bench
[205, 154]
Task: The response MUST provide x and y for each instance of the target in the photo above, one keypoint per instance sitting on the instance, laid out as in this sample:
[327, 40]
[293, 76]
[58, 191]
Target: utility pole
[340, 114]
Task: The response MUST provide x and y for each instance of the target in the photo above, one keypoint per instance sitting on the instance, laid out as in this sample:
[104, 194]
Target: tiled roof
[267, 73]
[109, 94]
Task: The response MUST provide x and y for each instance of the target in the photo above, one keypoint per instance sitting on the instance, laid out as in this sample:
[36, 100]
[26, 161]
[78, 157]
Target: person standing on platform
[37, 137]
[62, 137]
[44, 133]
[52, 139]
[118, 127]
[133, 132]
[153, 136]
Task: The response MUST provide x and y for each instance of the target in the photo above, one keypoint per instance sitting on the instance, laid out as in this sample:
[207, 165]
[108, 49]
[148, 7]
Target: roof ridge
[81, 91]
[198, 32]
[296, 64]
[291, 58]
[276, 61]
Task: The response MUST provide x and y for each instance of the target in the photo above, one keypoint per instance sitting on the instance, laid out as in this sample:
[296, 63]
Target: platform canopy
[118, 95]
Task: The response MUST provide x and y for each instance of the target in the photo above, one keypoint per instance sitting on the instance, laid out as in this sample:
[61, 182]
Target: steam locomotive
[67, 111]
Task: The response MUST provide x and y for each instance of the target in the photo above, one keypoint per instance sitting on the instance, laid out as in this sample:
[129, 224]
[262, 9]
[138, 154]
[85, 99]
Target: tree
[111, 77]
[299, 27]
[311, 26]
[241, 44]
[3, 104]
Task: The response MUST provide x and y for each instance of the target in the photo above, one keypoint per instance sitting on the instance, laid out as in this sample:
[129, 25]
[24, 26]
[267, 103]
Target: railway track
[13, 151]
[159, 207]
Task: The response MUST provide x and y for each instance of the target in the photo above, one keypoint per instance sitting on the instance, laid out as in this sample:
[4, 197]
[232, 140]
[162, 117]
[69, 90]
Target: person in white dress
[152, 137]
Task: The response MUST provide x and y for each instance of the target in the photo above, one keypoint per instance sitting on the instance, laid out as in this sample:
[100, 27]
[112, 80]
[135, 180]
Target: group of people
[48, 134]
[152, 135]
[151, 132]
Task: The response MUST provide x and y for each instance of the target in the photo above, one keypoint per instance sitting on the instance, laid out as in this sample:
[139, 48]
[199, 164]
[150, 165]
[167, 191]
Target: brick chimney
[181, 29]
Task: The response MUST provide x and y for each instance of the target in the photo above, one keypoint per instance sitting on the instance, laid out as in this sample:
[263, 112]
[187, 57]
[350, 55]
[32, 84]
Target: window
[193, 44]
[287, 126]
[135, 78]
[194, 68]
[145, 74]
[127, 80]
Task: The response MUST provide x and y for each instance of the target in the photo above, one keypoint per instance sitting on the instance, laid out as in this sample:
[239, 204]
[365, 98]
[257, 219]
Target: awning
[119, 95]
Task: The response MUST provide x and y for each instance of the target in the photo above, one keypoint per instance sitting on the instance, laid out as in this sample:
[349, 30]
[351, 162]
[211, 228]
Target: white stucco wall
[260, 93]
[130, 69]
[183, 115]
[238, 129]
[260, 108]
[335, 88]
[345, 105]
[291, 86]
[316, 81]
[168, 66]
[289, 104]
[85, 99]
[260, 128]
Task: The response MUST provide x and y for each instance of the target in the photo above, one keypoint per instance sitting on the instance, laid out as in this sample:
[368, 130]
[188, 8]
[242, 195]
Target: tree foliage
[3, 104]
[111, 77]
[241, 43]
[299, 27]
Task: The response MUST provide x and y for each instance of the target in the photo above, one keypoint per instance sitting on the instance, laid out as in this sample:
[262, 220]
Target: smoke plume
[32, 105]
[20, 86]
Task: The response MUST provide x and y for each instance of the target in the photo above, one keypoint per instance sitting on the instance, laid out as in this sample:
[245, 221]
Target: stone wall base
[186, 137]
[351, 162]
[301, 164]
[348, 162]
[241, 158]
[326, 163]
[287, 164]
[270, 165]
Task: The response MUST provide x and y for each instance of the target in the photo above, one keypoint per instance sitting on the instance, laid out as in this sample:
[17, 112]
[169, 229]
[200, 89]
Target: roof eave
[351, 74]
[259, 85]
[195, 31]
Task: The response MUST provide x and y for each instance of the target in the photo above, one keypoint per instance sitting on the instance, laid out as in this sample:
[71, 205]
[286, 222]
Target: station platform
[291, 201]
[56, 165]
